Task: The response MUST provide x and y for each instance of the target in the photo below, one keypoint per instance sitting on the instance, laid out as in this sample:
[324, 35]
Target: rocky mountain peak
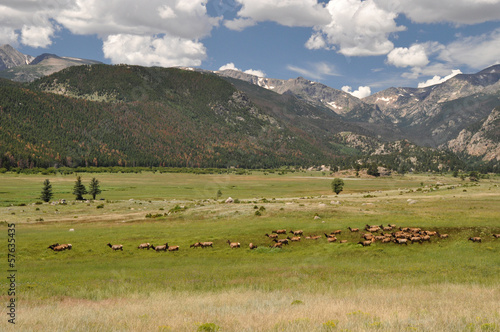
[10, 57]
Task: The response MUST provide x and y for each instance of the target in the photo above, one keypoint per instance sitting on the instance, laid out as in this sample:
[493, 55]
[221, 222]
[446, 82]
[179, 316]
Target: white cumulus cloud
[168, 31]
[292, 13]
[437, 79]
[415, 56]
[254, 72]
[362, 92]
[153, 51]
[356, 28]
[37, 36]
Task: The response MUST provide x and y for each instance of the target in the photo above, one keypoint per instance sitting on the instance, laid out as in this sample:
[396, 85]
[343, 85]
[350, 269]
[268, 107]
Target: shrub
[208, 327]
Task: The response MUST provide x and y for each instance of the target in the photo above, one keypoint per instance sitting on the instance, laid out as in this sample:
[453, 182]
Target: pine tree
[94, 189]
[46, 191]
[79, 189]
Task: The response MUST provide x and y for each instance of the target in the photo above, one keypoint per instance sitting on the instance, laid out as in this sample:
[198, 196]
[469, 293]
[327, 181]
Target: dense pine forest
[130, 116]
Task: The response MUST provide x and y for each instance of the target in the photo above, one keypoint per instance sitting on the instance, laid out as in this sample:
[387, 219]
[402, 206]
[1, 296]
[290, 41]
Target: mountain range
[192, 117]
[25, 68]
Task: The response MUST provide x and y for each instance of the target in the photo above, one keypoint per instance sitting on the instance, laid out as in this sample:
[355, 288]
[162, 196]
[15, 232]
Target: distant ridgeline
[101, 115]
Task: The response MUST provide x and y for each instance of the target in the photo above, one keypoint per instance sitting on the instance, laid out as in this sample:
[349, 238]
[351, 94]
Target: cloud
[315, 71]
[28, 22]
[163, 51]
[474, 51]
[37, 36]
[356, 28]
[166, 28]
[292, 13]
[239, 24]
[453, 11]
[9, 36]
[362, 92]
[180, 18]
[415, 56]
[254, 72]
[438, 79]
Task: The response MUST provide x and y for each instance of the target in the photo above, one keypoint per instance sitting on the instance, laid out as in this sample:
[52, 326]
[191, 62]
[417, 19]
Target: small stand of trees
[79, 189]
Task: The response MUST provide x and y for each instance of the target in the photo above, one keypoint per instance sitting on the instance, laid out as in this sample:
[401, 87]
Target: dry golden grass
[444, 307]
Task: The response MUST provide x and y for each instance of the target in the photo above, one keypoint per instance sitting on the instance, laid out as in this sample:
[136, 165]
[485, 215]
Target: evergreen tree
[79, 189]
[46, 191]
[94, 189]
[474, 176]
[337, 185]
[373, 170]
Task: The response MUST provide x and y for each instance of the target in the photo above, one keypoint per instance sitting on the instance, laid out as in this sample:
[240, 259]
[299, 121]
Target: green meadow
[445, 285]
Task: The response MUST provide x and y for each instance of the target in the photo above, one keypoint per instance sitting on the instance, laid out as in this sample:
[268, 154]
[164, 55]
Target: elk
[233, 245]
[206, 244]
[171, 248]
[62, 247]
[353, 229]
[272, 236]
[252, 246]
[293, 238]
[283, 241]
[475, 239]
[115, 246]
[144, 246]
[279, 231]
[401, 241]
[365, 243]
[52, 246]
[299, 232]
[160, 248]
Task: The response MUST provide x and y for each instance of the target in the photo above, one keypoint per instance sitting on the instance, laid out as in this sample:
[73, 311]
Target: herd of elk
[404, 236]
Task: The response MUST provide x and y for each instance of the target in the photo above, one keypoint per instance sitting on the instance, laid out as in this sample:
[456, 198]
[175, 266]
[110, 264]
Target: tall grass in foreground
[443, 307]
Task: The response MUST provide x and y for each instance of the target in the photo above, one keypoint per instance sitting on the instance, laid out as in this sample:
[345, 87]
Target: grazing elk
[171, 248]
[233, 245]
[115, 247]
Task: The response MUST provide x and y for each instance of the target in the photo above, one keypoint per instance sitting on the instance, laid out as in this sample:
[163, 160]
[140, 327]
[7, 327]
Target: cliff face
[483, 142]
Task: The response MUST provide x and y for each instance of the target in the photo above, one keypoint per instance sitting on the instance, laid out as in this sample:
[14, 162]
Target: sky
[359, 46]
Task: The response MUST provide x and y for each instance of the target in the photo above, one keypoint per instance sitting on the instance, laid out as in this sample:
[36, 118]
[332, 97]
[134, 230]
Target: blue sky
[360, 46]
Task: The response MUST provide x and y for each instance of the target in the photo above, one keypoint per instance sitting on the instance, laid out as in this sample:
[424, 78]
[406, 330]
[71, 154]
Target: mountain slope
[33, 68]
[10, 57]
[433, 115]
[145, 116]
[480, 140]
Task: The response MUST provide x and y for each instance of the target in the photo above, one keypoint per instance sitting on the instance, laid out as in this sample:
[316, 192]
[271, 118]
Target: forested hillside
[124, 115]
[103, 115]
